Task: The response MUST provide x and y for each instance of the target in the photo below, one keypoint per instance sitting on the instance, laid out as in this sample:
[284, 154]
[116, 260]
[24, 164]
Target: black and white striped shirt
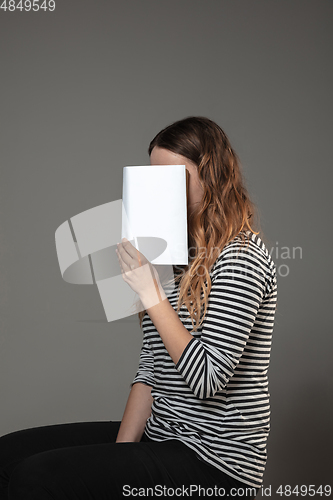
[216, 398]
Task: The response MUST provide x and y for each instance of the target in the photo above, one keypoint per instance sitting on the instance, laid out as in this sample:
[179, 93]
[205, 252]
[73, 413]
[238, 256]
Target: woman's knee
[9, 458]
[8, 443]
[38, 477]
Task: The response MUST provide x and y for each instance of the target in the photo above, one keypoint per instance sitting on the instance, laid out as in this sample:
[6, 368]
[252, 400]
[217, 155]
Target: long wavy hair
[224, 211]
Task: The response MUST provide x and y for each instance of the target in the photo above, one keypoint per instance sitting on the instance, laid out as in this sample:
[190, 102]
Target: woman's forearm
[173, 333]
[137, 411]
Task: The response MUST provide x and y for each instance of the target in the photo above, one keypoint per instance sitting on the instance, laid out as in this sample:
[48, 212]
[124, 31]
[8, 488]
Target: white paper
[155, 206]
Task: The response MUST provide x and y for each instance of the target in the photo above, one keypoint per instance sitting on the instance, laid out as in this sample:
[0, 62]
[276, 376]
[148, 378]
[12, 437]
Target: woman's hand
[139, 274]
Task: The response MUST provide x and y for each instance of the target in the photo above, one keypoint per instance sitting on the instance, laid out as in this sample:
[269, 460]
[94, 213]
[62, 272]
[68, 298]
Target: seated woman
[198, 416]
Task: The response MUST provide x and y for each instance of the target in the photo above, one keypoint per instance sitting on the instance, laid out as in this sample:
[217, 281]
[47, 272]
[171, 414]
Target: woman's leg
[115, 470]
[19, 445]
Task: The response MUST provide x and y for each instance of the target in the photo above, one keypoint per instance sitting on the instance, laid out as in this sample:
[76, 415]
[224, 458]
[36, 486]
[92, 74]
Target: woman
[197, 417]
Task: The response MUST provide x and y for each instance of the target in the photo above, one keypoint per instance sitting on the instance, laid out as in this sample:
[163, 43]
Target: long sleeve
[145, 372]
[239, 285]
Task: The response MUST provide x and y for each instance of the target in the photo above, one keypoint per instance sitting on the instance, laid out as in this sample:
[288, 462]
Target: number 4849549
[304, 490]
[27, 5]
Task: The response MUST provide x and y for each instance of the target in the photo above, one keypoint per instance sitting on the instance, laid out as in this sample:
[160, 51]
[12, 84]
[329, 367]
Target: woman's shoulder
[246, 249]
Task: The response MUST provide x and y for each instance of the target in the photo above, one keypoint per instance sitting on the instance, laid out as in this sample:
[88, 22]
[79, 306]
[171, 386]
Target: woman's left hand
[137, 271]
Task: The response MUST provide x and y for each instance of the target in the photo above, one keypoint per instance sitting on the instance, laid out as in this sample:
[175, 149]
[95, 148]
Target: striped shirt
[216, 398]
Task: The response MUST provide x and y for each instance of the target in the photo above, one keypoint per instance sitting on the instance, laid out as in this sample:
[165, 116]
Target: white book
[155, 212]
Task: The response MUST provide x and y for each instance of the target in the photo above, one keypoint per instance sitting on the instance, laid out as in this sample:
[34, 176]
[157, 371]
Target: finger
[132, 251]
[119, 260]
[127, 266]
[128, 247]
[125, 257]
[139, 258]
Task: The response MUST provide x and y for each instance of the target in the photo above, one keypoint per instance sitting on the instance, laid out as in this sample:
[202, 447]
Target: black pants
[81, 461]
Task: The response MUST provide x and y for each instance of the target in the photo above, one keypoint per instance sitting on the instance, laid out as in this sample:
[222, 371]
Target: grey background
[83, 91]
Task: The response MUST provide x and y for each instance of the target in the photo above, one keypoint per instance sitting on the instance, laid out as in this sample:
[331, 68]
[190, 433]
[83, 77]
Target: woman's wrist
[153, 296]
[137, 411]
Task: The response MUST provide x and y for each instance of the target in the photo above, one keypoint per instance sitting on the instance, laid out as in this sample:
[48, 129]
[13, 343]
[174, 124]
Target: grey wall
[83, 91]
